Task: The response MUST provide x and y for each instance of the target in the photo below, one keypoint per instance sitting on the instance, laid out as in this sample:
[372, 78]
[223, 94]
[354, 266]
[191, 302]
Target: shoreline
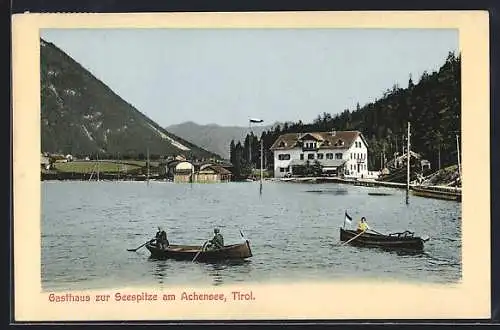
[435, 191]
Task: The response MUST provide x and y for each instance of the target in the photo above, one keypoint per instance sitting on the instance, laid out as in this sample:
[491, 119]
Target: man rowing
[161, 238]
[217, 242]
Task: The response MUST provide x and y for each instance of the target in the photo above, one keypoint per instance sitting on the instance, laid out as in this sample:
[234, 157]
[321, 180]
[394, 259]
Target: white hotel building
[338, 152]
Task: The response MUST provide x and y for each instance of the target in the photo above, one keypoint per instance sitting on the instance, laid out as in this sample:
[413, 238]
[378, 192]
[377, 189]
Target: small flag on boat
[256, 120]
[348, 218]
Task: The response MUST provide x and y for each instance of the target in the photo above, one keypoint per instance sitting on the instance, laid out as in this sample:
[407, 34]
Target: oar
[196, 256]
[354, 237]
[137, 248]
[376, 232]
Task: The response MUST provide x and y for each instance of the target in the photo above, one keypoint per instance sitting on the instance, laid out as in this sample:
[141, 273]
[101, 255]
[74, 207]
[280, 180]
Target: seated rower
[161, 238]
[362, 225]
[217, 242]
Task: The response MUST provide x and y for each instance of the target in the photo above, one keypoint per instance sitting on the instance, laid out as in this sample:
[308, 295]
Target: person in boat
[362, 225]
[217, 242]
[161, 238]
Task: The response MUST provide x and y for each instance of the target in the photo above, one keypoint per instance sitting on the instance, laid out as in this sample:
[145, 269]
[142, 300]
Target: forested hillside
[432, 105]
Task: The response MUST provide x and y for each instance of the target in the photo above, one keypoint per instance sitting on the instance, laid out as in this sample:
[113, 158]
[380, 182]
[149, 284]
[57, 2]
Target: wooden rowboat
[404, 240]
[188, 252]
[438, 193]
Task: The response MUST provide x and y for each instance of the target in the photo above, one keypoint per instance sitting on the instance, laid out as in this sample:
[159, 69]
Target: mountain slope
[81, 115]
[214, 137]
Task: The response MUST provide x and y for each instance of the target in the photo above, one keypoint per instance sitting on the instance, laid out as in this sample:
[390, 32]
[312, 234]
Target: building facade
[189, 172]
[337, 153]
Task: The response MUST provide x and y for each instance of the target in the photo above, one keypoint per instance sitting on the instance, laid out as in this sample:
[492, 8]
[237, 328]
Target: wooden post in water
[458, 156]
[408, 166]
[261, 163]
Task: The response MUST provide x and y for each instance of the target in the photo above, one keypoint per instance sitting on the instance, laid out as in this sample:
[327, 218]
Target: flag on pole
[348, 218]
[256, 120]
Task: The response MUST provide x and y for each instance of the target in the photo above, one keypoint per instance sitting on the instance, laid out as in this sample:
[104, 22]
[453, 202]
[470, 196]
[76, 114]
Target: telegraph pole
[408, 167]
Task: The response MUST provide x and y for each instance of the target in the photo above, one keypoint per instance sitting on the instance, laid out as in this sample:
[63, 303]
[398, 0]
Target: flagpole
[250, 121]
[250, 146]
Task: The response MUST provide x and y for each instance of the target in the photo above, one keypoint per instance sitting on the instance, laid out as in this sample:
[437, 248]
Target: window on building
[351, 155]
[320, 156]
[310, 156]
[282, 169]
[284, 157]
[301, 156]
[329, 155]
[338, 155]
[287, 169]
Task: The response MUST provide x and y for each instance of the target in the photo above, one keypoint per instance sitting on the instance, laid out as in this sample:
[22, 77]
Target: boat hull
[383, 241]
[433, 193]
[188, 252]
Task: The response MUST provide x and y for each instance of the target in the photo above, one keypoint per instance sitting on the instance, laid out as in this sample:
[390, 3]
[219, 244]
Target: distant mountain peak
[213, 137]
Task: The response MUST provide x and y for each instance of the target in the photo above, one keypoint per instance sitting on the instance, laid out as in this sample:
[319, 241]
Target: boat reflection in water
[227, 268]
[218, 271]
[160, 268]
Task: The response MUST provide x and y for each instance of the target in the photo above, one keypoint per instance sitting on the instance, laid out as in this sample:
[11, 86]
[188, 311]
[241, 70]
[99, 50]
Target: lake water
[87, 228]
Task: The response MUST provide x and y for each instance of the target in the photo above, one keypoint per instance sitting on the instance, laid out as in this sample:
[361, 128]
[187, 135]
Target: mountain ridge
[214, 137]
[81, 115]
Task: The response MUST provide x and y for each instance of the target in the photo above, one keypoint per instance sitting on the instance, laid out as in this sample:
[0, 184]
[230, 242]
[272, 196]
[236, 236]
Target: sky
[226, 76]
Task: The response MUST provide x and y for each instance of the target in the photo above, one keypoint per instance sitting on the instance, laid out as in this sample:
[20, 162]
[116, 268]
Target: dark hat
[216, 230]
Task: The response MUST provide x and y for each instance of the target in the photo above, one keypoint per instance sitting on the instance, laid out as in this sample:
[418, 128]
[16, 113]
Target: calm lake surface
[293, 229]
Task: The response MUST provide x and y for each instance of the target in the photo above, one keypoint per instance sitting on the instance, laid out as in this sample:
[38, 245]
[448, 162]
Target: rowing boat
[438, 192]
[189, 252]
[404, 240]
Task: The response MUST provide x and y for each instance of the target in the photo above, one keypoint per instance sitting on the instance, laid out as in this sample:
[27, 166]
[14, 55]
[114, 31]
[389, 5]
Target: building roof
[326, 140]
[217, 169]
